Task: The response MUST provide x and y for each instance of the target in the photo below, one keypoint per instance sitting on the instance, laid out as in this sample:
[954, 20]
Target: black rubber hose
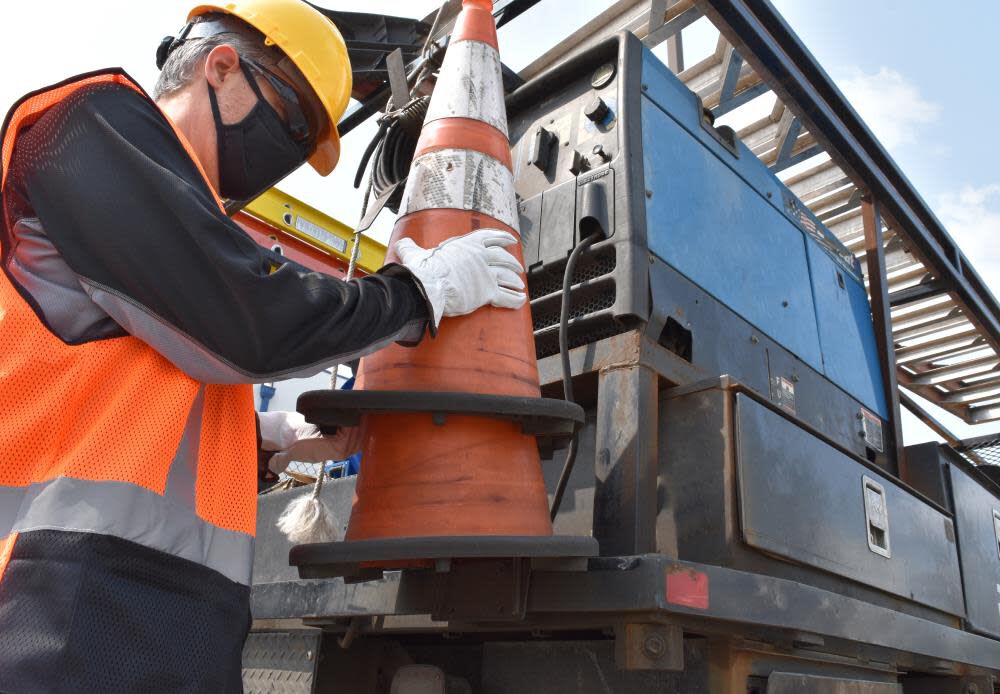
[392, 163]
[369, 150]
[390, 152]
[567, 374]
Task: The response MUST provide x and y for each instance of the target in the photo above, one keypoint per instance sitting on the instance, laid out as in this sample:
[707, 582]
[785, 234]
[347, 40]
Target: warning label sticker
[871, 429]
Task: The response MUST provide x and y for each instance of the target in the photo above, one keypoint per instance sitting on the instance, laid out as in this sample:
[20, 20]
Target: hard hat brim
[327, 153]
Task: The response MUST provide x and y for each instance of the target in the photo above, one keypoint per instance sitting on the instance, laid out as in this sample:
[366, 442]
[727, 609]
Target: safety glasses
[298, 123]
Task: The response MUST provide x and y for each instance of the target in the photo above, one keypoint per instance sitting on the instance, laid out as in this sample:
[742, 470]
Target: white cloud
[889, 103]
[972, 217]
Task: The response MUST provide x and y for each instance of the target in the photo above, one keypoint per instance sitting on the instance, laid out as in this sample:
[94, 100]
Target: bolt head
[654, 646]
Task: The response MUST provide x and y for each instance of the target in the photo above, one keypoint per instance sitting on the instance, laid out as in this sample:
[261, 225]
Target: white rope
[355, 252]
[308, 519]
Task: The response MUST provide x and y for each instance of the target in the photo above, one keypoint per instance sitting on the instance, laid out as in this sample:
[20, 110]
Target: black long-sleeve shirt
[112, 229]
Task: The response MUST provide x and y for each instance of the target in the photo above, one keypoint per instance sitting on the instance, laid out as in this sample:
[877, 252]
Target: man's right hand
[466, 272]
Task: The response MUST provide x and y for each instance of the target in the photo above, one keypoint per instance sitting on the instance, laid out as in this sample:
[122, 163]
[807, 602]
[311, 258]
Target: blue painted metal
[846, 332]
[716, 227]
[729, 225]
[266, 393]
[763, 37]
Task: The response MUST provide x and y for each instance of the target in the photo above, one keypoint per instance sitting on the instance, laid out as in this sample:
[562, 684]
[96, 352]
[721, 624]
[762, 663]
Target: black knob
[596, 109]
[541, 149]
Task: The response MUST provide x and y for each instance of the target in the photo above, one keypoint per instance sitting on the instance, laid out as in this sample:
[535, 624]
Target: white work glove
[294, 438]
[466, 272]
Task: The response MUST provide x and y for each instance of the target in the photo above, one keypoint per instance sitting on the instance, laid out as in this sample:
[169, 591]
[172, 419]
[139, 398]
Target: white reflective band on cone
[470, 85]
[461, 179]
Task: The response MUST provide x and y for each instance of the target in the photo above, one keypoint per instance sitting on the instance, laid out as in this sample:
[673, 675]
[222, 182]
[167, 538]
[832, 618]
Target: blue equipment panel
[718, 216]
[850, 355]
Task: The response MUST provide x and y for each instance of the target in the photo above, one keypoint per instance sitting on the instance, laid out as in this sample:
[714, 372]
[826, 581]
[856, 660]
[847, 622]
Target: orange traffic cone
[470, 475]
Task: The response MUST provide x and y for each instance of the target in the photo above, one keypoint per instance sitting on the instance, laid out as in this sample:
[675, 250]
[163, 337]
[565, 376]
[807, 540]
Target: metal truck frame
[761, 526]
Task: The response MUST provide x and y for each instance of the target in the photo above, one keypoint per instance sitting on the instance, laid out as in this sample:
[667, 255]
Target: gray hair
[182, 63]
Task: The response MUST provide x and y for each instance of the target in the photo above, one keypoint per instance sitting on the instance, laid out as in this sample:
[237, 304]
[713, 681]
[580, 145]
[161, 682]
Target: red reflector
[687, 588]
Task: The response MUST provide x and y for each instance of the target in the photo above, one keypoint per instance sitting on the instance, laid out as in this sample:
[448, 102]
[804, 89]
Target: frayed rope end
[307, 520]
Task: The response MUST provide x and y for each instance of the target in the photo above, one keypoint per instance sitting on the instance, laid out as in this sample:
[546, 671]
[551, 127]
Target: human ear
[221, 63]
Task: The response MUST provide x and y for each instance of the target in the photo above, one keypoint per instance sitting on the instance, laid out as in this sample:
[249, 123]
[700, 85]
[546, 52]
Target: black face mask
[257, 152]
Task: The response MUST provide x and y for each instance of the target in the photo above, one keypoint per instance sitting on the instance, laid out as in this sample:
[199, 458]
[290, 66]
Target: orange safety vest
[108, 436]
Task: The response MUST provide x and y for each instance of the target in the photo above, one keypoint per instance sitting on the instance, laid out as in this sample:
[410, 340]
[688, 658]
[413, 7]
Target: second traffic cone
[472, 475]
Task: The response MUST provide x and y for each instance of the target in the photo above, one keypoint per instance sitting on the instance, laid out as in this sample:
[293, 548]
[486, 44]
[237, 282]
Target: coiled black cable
[400, 142]
[391, 150]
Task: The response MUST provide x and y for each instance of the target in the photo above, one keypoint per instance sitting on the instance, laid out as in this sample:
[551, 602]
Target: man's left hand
[295, 439]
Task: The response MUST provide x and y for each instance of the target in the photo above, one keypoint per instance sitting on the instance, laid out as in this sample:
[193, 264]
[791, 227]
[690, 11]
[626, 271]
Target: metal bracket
[645, 646]
[483, 591]
[397, 79]
[657, 15]
[871, 430]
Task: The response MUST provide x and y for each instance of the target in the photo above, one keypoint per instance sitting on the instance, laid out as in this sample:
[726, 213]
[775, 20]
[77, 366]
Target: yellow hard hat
[313, 43]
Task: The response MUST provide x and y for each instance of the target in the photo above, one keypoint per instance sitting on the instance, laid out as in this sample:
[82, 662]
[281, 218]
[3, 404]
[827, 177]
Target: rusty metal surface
[622, 350]
[763, 602]
[625, 468]
[567, 600]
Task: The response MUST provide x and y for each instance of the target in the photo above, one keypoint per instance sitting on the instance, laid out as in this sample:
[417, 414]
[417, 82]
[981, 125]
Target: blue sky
[947, 56]
[920, 73]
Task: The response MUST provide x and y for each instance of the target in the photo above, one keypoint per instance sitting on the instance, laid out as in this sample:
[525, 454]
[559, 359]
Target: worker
[134, 315]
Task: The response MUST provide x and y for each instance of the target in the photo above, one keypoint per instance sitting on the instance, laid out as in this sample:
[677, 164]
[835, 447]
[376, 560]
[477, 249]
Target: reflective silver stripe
[41, 272]
[10, 502]
[183, 473]
[461, 179]
[470, 85]
[199, 362]
[131, 513]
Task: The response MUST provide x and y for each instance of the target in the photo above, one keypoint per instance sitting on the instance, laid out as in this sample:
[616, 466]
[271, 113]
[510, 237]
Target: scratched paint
[461, 179]
[470, 85]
